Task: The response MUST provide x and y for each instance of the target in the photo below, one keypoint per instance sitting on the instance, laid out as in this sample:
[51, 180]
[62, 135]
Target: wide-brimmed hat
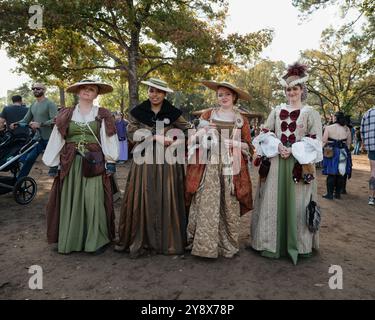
[158, 84]
[103, 87]
[215, 85]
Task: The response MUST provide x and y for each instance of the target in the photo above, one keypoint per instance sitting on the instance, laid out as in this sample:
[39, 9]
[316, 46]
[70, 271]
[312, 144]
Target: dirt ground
[347, 239]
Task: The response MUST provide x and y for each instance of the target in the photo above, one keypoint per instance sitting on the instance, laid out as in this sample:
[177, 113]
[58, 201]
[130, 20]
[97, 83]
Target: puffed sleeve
[266, 143]
[110, 145]
[51, 156]
[314, 124]
[270, 123]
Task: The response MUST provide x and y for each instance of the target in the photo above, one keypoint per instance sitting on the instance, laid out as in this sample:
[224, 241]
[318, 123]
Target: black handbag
[264, 167]
[313, 216]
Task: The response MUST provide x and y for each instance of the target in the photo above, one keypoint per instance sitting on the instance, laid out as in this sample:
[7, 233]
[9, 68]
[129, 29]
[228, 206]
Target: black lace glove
[53, 171]
[110, 168]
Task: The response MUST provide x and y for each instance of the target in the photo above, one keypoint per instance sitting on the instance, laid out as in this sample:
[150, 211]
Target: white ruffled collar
[78, 117]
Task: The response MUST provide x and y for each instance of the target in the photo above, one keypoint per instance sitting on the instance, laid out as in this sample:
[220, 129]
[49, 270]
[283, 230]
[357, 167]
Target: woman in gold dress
[218, 190]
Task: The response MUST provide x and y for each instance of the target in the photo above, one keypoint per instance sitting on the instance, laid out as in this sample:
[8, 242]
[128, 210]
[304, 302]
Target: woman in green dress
[80, 215]
[153, 216]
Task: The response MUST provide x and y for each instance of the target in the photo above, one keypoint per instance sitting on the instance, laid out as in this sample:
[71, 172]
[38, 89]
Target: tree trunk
[322, 107]
[133, 86]
[62, 97]
[133, 68]
[122, 106]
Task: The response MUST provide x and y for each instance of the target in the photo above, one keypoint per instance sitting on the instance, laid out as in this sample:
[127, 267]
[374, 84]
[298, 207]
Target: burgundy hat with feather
[296, 74]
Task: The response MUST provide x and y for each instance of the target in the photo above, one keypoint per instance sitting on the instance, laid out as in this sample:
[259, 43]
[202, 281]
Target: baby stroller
[12, 148]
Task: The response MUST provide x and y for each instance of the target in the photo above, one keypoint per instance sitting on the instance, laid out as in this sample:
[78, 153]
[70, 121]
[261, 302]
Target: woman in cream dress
[278, 226]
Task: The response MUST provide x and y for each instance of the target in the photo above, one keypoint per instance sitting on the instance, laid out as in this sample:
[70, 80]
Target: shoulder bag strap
[93, 134]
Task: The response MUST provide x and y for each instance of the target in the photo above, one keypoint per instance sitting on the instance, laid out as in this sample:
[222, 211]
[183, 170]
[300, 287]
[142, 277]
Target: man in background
[40, 115]
[19, 136]
[14, 113]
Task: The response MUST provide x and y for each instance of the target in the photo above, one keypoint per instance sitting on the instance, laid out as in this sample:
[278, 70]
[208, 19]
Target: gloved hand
[110, 168]
[53, 171]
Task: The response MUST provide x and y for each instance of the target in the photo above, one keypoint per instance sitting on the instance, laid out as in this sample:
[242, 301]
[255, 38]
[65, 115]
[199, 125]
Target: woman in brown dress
[153, 215]
[219, 190]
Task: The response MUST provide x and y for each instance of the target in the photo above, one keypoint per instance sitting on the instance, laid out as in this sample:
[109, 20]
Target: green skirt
[83, 224]
[286, 214]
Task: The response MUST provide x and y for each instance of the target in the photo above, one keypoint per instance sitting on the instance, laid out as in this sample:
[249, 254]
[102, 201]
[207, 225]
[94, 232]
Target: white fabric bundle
[267, 144]
[308, 150]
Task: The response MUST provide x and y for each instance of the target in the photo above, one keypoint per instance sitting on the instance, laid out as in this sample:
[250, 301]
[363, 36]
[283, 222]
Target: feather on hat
[296, 74]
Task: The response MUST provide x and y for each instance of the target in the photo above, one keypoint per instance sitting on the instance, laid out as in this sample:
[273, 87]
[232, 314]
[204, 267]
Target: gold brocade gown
[214, 216]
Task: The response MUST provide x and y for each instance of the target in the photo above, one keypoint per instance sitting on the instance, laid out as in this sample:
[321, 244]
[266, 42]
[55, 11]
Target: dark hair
[235, 94]
[16, 98]
[340, 118]
[349, 121]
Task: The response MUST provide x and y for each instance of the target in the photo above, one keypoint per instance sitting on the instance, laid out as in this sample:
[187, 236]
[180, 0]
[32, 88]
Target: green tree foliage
[364, 39]
[180, 39]
[340, 81]
[54, 58]
[3, 103]
[118, 99]
[24, 91]
[262, 83]
[343, 70]
[365, 7]
[28, 98]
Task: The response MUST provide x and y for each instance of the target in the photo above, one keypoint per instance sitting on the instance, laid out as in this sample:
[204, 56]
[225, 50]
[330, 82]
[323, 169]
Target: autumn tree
[340, 80]
[117, 100]
[3, 103]
[262, 83]
[139, 37]
[358, 40]
[53, 59]
[24, 91]
[343, 69]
